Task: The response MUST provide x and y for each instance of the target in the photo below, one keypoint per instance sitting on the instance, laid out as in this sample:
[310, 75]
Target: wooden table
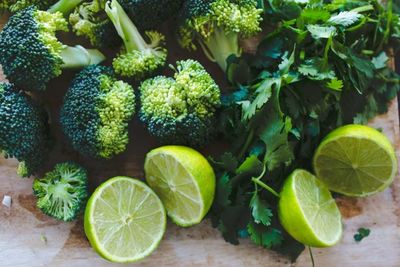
[29, 238]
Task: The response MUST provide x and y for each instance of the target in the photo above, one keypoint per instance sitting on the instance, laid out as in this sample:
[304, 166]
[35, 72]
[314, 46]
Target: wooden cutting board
[29, 238]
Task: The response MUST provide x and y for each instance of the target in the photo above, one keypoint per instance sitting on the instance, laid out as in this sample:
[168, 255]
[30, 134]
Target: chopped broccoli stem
[64, 6]
[79, 57]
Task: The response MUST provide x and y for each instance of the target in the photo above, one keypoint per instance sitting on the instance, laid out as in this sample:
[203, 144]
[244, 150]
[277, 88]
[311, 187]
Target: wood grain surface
[29, 238]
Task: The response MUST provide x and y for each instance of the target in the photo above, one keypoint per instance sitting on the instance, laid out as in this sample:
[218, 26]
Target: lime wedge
[184, 180]
[355, 160]
[124, 220]
[308, 212]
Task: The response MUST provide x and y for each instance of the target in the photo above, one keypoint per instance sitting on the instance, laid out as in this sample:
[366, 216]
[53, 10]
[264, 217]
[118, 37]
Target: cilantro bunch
[320, 65]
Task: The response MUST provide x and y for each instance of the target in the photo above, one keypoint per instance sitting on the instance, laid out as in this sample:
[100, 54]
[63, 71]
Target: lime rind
[90, 224]
[308, 212]
[184, 180]
[340, 164]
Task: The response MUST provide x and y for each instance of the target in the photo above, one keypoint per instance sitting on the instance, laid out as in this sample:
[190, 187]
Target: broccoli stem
[220, 45]
[64, 6]
[126, 29]
[79, 57]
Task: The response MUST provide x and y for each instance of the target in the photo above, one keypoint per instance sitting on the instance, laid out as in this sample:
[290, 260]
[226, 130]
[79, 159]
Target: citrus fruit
[308, 212]
[184, 180]
[355, 160]
[124, 220]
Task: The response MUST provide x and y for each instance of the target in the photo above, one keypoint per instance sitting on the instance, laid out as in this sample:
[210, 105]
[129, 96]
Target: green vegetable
[62, 192]
[150, 14]
[90, 20]
[322, 65]
[181, 110]
[96, 112]
[361, 234]
[17, 5]
[31, 54]
[24, 130]
[138, 59]
[217, 26]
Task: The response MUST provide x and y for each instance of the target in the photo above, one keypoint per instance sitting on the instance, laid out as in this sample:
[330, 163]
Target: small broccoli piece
[96, 112]
[90, 20]
[17, 5]
[181, 110]
[150, 14]
[31, 54]
[24, 130]
[217, 26]
[62, 192]
[138, 59]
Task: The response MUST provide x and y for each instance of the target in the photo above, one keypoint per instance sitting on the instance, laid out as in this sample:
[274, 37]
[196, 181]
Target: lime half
[184, 180]
[308, 212]
[355, 160]
[124, 220]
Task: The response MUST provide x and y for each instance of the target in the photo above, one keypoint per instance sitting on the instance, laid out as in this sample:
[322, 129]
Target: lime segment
[184, 180]
[308, 212]
[355, 160]
[124, 220]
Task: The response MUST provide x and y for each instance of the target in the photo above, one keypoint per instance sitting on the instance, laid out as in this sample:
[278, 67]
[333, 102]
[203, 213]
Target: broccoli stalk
[62, 192]
[64, 6]
[217, 26]
[138, 59]
[79, 57]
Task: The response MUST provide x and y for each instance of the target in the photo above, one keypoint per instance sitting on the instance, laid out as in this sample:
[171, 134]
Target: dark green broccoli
[62, 192]
[150, 14]
[181, 110]
[138, 59]
[217, 26]
[31, 54]
[90, 20]
[96, 112]
[24, 129]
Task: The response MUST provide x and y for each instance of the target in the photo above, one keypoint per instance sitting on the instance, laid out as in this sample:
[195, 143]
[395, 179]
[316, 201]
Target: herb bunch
[320, 65]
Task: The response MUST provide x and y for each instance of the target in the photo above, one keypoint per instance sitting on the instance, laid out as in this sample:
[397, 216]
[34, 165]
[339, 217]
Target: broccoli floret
[217, 26]
[24, 129]
[31, 54]
[150, 14]
[181, 110]
[64, 6]
[62, 192]
[137, 59]
[90, 20]
[96, 112]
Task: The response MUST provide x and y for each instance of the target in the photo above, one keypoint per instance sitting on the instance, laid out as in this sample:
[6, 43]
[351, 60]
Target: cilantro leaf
[321, 32]
[260, 210]
[361, 234]
[267, 237]
[345, 18]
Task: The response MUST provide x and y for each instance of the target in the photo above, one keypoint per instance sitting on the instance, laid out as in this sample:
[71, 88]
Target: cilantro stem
[312, 256]
[265, 186]
[249, 139]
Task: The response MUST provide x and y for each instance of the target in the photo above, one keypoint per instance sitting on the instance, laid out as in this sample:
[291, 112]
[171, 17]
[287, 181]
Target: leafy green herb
[361, 234]
[321, 64]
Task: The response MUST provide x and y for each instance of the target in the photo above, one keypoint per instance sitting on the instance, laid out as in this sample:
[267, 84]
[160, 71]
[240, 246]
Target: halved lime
[124, 220]
[184, 180]
[308, 212]
[355, 160]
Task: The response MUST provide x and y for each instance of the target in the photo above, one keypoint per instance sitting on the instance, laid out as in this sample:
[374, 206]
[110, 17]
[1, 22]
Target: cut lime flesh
[308, 212]
[124, 220]
[355, 160]
[184, 180]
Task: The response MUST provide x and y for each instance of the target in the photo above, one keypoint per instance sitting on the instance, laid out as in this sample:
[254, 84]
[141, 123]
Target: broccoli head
[90, 20]
[24, 130]
[62, 192]
[138, 59]
[31, 54]
[150, 14]
[181, 110]
[96, 112]
[217, 26]
[64, 6]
